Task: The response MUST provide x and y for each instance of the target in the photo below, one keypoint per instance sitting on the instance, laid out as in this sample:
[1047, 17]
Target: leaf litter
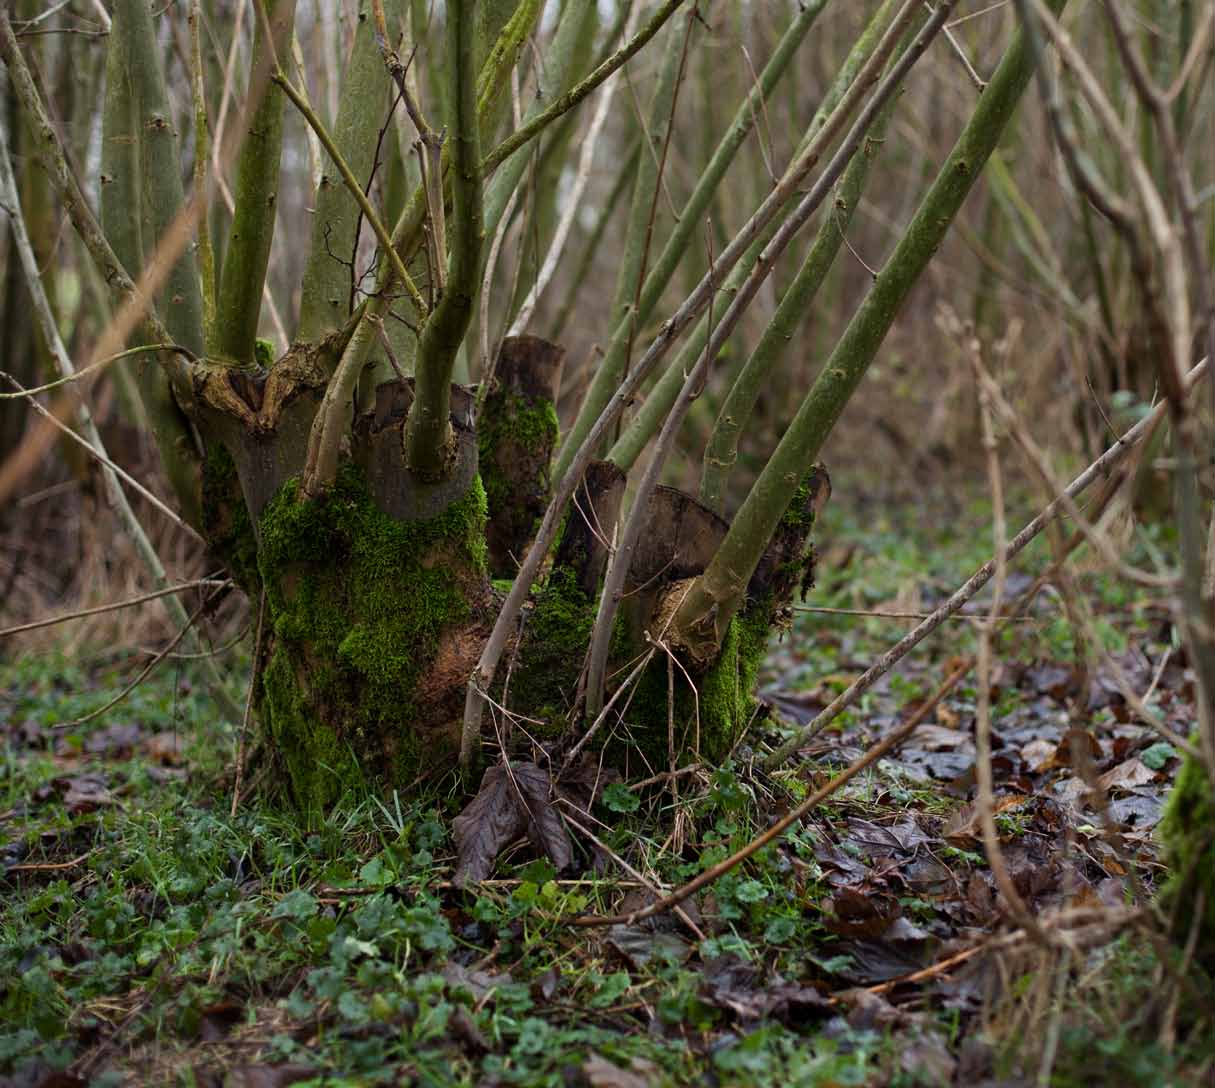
[864, 944]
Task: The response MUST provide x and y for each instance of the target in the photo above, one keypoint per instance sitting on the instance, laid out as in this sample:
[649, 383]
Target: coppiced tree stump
[377, 591]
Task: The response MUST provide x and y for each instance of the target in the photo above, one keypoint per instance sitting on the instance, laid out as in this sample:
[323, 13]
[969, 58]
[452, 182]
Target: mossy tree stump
[377, 593]
[679, 710]
[378, 596]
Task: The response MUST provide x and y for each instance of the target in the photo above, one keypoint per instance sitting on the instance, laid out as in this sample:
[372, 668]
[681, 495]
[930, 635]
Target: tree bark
[377, 591]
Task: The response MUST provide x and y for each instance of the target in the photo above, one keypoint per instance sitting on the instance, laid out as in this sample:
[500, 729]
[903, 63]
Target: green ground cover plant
[149, 935]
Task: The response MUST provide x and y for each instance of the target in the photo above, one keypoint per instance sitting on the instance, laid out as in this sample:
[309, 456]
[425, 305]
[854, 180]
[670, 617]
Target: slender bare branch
[609, 599]
[102, 609]
[576, 94]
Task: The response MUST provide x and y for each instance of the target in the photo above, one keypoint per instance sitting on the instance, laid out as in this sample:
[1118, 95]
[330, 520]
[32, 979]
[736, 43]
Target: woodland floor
[148, 937]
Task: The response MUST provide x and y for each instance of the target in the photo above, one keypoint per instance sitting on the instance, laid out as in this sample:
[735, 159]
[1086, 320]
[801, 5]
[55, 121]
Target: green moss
[799, 515]
[360, 604]
[710, 720]
[1187, 830]
[514, 423]
[555, 640]
[727, 690]
[314, 755]
[263, 353]
[226, 521]
[708, 724]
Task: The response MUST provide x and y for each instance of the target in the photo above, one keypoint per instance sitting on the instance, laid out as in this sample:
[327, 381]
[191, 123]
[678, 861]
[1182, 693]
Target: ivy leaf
[375, 873]
[608, 989]
[540, 871]
[1157, 755]
[619, 798]
[779, 930]
[298, 905]
[750, 891]
[352, 1008]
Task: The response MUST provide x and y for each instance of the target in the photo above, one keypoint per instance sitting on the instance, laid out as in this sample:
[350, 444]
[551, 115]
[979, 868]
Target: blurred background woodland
[1032, 268]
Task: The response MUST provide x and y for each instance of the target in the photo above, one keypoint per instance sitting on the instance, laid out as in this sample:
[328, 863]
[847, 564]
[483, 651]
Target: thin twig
[567, 101]
[660, 167]
[878, 614]
[100, 364]
[199, 655]
[1099, 469]
[279, 77]
[109, 465]
[556, 249]
[1041, 464]
[49, 866]
[649, 885]
[979, 82]
[144, 672]
[1080, 916]
[983, 765]
[602, 716]
[254, 675]
[103, 608]
[489, 358]
[666, 776]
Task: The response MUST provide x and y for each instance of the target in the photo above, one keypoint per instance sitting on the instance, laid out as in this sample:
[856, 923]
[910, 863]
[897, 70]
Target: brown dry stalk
[649, 885]
[90, 447]
[983, 766]
[1067, 920]
[875, 753]
[50, 866]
